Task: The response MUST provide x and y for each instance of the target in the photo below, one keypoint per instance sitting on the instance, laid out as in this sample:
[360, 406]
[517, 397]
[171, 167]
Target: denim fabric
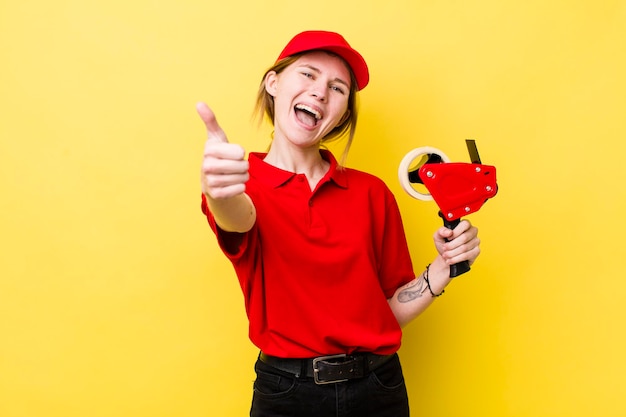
[380, 394]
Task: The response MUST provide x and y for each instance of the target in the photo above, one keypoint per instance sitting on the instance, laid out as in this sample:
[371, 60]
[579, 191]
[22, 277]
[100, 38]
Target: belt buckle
[316, 371]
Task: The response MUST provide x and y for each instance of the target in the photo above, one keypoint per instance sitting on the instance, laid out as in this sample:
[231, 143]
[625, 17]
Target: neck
[301, 161]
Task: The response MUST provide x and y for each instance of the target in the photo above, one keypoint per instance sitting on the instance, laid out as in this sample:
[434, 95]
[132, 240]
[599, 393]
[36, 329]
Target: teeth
[309, 110]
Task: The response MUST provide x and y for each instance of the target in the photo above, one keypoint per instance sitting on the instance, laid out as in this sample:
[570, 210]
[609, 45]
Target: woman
[319, 249]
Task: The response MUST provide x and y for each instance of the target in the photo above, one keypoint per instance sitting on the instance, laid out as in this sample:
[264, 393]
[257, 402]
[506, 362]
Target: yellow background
[114, 298]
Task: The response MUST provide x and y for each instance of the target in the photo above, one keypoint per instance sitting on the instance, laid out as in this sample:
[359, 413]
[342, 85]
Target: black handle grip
[461, 267]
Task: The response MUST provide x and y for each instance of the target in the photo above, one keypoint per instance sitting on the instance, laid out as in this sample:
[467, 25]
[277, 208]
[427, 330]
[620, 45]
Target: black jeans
[382, 393]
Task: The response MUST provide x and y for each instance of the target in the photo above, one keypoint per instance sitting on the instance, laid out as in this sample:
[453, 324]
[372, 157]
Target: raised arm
[224, 173]
[410, 300]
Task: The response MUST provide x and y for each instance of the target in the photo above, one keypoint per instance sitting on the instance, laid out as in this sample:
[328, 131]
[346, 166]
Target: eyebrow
[311, 67]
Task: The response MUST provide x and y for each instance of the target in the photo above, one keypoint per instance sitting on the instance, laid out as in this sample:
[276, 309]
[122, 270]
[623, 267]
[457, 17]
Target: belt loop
[366, 364]
[303, 366]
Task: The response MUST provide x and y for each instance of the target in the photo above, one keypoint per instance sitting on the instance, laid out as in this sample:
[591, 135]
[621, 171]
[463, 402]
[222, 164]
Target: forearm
[233, 214]
[412, 299]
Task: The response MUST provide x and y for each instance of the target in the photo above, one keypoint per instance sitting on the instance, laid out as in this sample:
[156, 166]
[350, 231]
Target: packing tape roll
[403, 170]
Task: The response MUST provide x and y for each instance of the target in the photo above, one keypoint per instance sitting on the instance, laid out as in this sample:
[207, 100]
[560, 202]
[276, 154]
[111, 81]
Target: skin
[320, 82]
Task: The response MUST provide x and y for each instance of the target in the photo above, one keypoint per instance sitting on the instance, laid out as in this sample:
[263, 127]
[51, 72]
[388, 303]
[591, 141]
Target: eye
[337, 89]
[307, 74]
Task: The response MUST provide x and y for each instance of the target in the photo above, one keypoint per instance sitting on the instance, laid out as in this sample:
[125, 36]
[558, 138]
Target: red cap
[332, 42]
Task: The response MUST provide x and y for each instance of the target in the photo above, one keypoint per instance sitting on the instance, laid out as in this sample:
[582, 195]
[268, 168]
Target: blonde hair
[265, 106]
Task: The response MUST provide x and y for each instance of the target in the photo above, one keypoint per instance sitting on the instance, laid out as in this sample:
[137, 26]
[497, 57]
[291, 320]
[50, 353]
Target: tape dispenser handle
[461, 267]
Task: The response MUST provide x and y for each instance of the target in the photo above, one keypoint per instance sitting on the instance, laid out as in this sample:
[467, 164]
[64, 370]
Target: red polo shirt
[317, 267]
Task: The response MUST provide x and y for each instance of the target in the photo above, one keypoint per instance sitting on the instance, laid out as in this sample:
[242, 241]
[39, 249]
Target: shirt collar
[275, 177]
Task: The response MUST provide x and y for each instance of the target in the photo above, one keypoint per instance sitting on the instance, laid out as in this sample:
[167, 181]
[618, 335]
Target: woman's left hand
[457, 245]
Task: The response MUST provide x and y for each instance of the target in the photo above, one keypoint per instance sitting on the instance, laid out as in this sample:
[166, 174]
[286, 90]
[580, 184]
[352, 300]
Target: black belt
[328, 369]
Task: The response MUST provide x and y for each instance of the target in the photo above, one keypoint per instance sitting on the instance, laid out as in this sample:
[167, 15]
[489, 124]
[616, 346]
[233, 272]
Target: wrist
[438, 275]
[430, 289]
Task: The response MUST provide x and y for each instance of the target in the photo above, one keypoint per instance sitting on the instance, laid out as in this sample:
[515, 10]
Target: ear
[271, 79]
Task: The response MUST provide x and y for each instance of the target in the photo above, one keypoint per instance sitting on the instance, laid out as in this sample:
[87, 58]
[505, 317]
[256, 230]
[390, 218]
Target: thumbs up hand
[224, 169]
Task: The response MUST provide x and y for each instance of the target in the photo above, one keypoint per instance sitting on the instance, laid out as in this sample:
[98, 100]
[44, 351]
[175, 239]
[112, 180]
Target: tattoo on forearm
[413, 290]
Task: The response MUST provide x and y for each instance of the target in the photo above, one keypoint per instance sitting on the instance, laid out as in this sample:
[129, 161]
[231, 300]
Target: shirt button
[310, 203]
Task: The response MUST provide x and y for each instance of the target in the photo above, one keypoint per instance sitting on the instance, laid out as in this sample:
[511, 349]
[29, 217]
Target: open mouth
[307, 115]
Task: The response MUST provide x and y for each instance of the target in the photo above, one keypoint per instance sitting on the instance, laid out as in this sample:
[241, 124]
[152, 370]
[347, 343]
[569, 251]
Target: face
[310, 98]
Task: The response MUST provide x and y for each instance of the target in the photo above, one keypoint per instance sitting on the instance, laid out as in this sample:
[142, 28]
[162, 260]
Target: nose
[318, 90]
